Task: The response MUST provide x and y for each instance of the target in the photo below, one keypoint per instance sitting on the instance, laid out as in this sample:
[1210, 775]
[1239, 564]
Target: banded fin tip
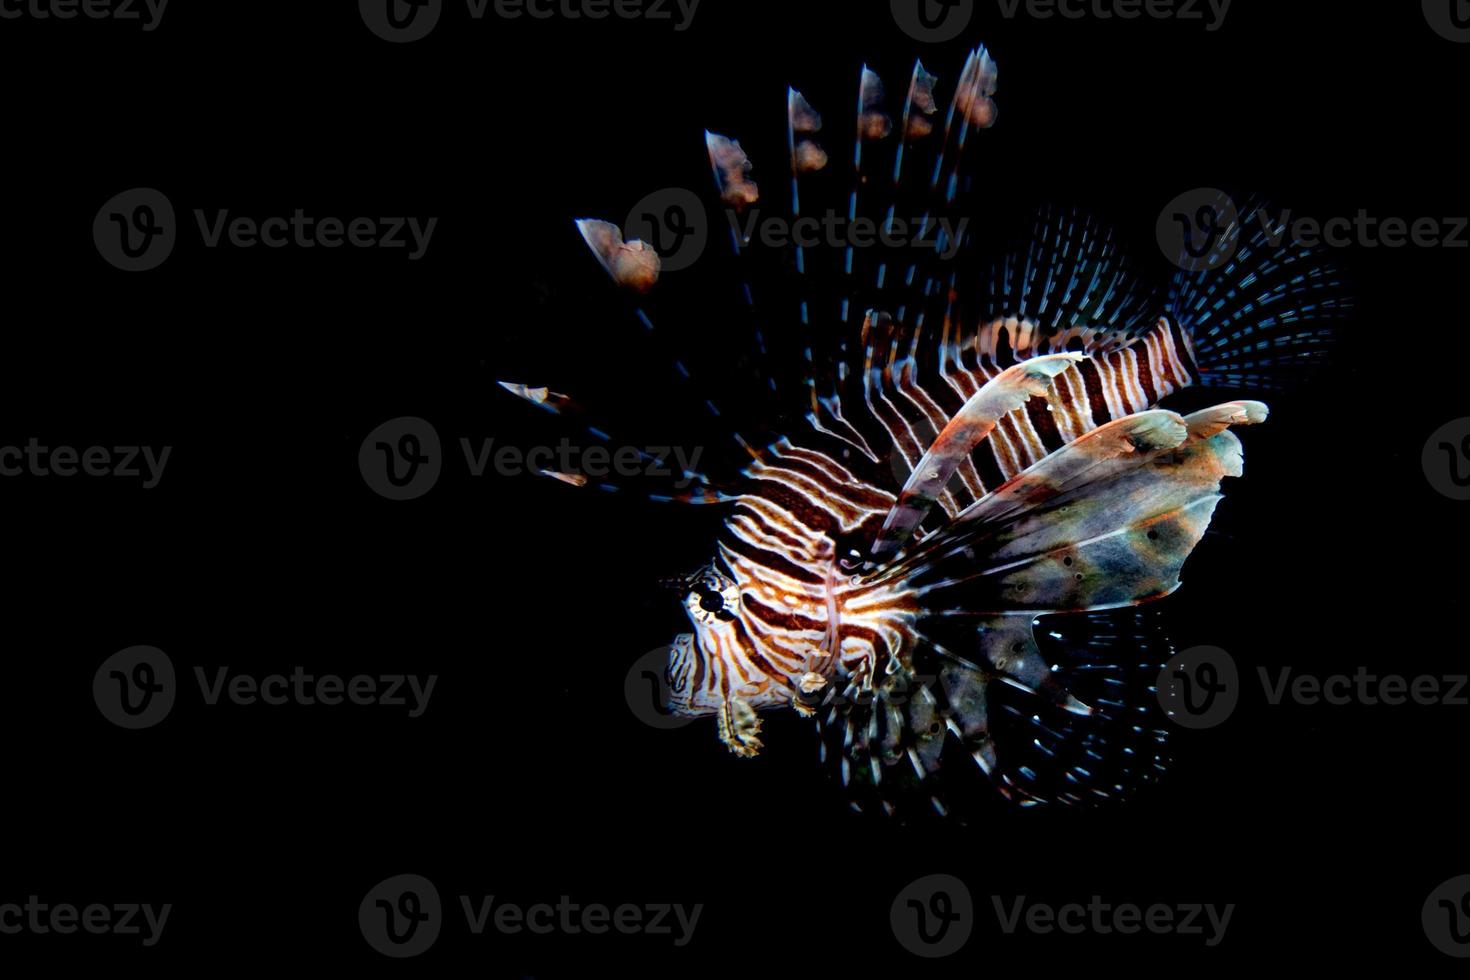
[976, 86]
[1216, 419]
[732, 169]
[922, 104]
[541, 396]
[571, 479]
[633, 265]
[804, 119]
[873, 122]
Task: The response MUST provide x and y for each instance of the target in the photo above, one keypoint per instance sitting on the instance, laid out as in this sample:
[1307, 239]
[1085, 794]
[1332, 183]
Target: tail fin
[1263, 311]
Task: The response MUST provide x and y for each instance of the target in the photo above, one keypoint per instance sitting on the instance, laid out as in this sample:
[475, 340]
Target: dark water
[526, 776]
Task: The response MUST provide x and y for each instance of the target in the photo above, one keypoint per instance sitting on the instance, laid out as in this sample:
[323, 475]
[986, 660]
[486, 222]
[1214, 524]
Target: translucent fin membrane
[1269, 313]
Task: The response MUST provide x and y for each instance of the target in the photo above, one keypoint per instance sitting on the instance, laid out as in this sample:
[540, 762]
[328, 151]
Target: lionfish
[942, 564]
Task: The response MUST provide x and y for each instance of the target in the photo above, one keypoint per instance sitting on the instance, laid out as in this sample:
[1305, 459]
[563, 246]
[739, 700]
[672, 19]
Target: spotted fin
[943, 736]
[1117, 534]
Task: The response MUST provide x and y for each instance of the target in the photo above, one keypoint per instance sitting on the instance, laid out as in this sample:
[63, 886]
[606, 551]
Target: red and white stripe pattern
[778, 617]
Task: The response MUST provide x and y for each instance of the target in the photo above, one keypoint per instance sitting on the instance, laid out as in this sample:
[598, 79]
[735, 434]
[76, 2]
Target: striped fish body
[785, 616]
[984, 487]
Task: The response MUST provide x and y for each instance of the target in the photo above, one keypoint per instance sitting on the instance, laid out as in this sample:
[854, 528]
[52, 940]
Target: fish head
[707, 668]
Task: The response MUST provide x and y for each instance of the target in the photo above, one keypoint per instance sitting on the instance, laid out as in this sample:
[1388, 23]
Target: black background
[528, 777]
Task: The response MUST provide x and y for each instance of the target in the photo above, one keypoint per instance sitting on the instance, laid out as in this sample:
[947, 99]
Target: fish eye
[711, 599]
